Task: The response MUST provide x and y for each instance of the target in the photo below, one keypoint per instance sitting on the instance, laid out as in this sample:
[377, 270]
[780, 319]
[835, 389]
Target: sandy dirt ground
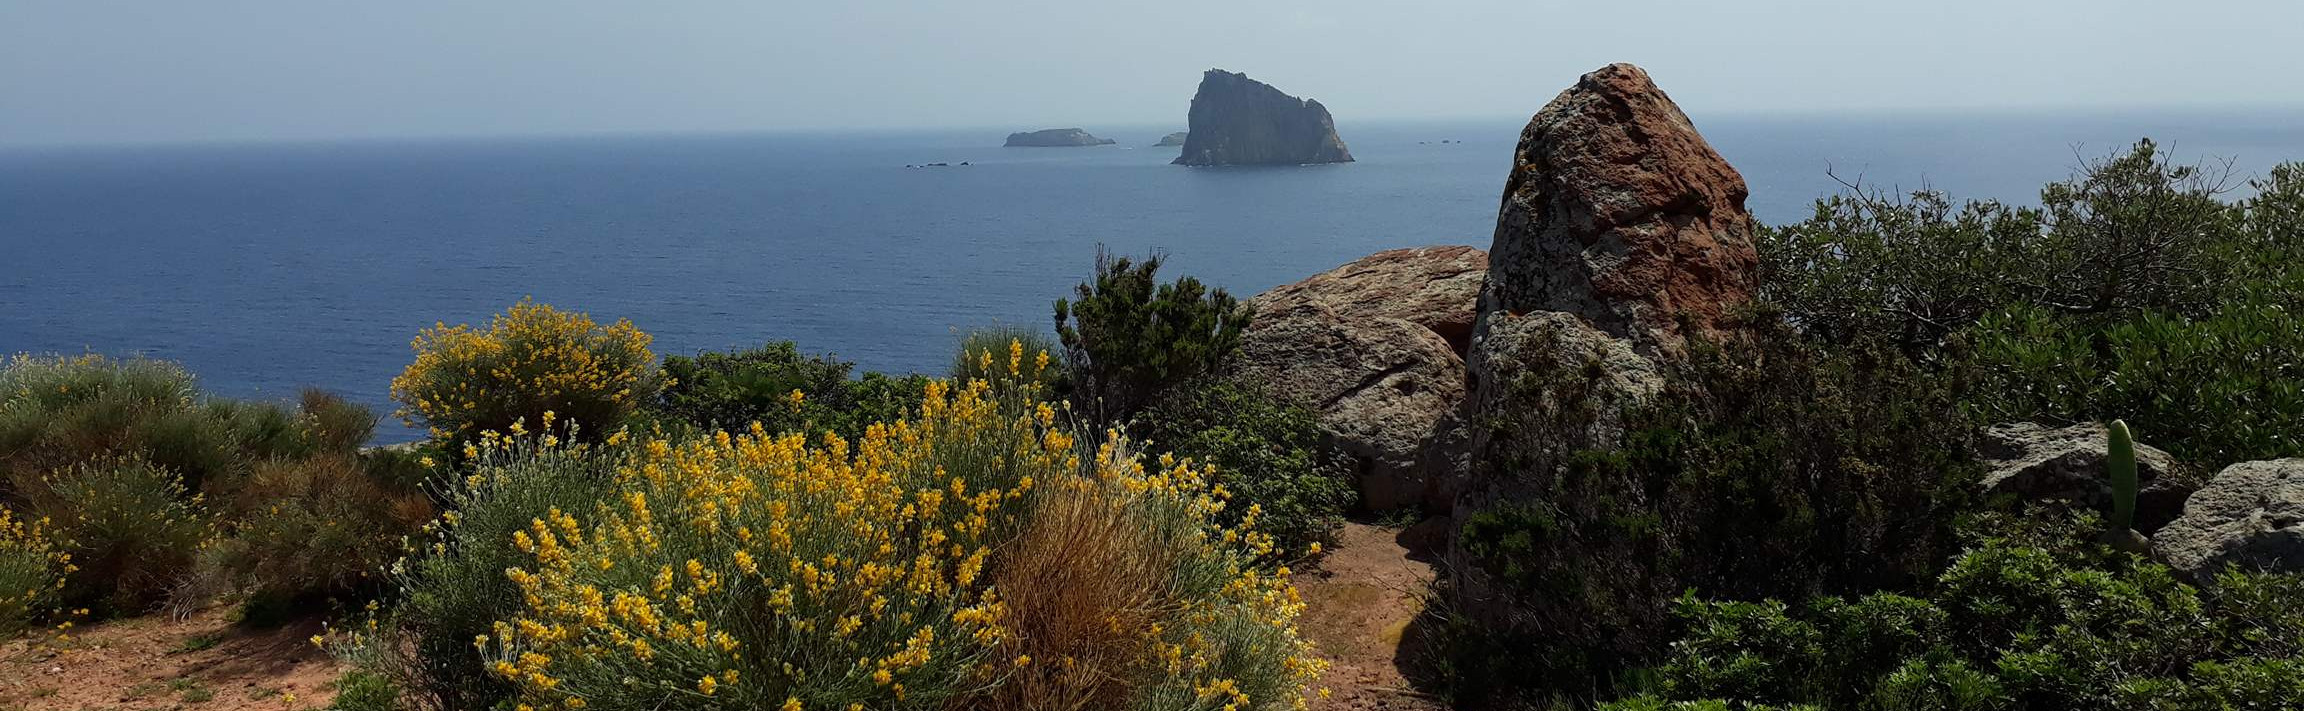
[155, 663]
[1359, 606]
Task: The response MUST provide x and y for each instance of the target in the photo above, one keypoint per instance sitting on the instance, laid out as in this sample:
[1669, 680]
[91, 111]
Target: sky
[105, 71]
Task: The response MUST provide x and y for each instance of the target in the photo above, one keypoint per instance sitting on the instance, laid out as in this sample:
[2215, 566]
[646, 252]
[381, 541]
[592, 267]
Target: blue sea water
[270, 267]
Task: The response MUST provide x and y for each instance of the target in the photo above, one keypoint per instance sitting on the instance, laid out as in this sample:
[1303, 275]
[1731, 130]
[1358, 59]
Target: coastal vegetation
[1763, 473]
[1796, 521]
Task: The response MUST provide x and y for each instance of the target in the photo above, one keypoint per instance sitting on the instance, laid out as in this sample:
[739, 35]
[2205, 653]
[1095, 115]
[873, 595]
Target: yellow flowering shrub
[530, 360]
[899, 571]
[32, 570]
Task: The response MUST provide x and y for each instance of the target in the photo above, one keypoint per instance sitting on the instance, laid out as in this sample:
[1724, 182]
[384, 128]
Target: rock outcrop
[1240, 121]
[1375, 347]
[1618, 211]
[2034, 462]
[1621, 233]
[2250, 515]
[1055, 138]
[1173, 139]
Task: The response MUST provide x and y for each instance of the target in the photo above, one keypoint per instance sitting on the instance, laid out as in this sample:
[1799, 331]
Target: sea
[270, 267]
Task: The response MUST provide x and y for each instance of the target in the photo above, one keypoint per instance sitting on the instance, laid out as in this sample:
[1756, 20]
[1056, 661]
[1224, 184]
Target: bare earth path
[147, 663]
[1358, 607]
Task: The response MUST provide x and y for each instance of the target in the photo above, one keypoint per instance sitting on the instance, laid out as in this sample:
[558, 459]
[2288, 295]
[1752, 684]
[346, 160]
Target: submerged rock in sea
[1055, 138]
[1376, 348]
[1240, 121]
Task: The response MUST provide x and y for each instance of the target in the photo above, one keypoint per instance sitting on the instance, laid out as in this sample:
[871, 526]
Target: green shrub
[56, 412]
[1267, 453]
[1127, 336]
[2009, 625]
[33, 565]
[531, 360]
[2131, 233]
[2132, 292]
[2223, 388]
[359, 690]
[133, 532]
[317, 526]
[984, 354]
[1767, 467]
[731, 391]
[453, 589]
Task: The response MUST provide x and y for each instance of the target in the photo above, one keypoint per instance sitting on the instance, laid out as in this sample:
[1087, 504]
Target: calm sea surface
[267, 268]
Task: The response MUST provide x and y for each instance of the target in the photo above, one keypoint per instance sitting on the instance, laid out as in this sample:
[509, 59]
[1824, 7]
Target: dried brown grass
[1084, 584]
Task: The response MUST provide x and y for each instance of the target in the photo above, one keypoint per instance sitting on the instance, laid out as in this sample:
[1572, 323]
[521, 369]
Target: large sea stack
[1240, 121]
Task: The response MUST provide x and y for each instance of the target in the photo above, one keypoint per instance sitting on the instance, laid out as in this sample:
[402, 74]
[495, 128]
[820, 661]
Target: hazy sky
[78, 71]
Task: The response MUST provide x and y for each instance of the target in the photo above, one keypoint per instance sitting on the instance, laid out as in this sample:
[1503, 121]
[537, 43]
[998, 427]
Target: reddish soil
[202, 663]
[1359, 606]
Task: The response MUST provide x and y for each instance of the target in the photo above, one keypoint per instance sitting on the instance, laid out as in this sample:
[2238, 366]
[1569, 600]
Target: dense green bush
[131, 528]
[2133, 291]
[2222, 385]
[321, 525]
[454, 590]
[1766, 467]
[59, 411]
[2214, 390]
[2014, 623]
[359, 690]
[1127, 336]
[1267, 453]
[127, 456]
[2132, 233]
[730, 391]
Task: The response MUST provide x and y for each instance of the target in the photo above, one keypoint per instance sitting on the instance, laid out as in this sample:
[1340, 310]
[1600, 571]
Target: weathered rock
[1372, 346]
[1055, 138]
[1173, 139]
[1434, 287]
[1618, 211]
[2250, 515]
[1618, 225]
[2032, 461]
[1236, 120]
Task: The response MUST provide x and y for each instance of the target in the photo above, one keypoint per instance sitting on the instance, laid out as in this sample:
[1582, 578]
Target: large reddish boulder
[1618, 211]
[1374, 347]
[1622, 234]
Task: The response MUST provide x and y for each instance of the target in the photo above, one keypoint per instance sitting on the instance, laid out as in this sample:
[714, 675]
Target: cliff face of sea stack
[1240, 121]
